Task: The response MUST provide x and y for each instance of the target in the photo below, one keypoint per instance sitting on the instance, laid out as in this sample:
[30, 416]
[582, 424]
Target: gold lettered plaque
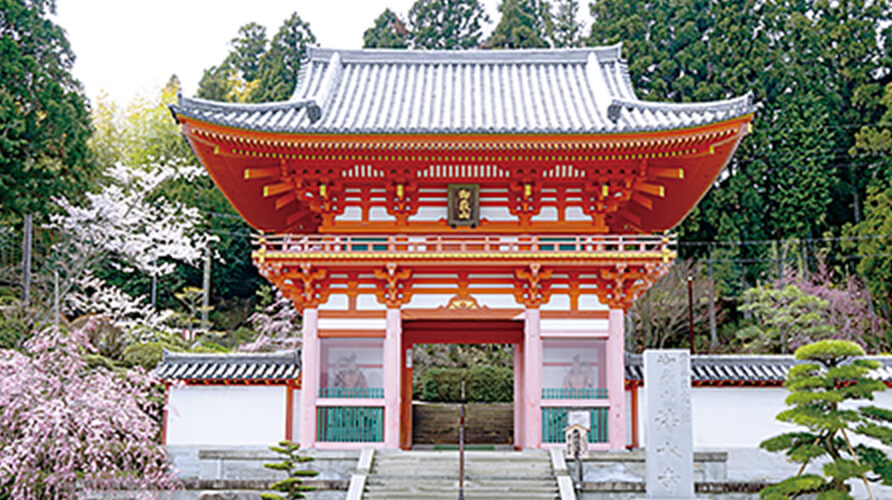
[464, 205]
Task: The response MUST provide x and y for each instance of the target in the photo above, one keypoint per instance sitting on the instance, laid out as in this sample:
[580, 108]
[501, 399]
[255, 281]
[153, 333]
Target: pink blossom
[65, 426]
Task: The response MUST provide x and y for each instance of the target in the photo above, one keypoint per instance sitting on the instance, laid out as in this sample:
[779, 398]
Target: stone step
[432, 475]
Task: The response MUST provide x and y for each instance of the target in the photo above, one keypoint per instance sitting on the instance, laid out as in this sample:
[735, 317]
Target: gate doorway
[464, 331]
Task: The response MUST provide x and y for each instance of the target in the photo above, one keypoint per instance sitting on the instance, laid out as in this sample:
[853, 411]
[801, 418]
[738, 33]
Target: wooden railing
[349, 424]
[554, 421]
[430, 244]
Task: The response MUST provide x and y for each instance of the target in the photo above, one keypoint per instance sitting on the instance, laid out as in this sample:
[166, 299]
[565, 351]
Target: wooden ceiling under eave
[642, 182]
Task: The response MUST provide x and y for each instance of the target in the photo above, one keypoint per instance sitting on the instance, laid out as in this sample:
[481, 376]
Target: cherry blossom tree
[277, 325]
[93, 296]
[68, 427]
[127, 225]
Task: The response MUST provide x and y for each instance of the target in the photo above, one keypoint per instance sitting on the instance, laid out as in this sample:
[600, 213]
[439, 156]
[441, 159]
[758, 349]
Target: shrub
[292, 486]
[832, 375]
[483, 384]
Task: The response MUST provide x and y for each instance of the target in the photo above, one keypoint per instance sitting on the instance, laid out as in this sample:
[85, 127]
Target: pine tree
[291, 487]
[447, 24]
[389, 32]
[832, 375]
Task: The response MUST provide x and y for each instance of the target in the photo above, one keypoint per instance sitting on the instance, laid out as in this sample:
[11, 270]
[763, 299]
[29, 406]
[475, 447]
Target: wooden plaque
[464, 205]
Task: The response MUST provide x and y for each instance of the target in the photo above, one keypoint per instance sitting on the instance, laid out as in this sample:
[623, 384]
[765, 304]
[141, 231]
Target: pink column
[616, 378]
[392, 369]
[309, 364]
[532, 380]
[518, 396]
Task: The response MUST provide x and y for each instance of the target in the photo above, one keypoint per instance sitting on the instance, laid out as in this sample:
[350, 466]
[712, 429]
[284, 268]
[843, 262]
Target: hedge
[483, 384]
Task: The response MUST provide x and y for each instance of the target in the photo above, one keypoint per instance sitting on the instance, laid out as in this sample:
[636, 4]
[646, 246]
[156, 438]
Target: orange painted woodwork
[624, 183]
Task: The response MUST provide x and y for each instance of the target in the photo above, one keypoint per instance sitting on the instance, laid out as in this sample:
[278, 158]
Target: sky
[127, 47]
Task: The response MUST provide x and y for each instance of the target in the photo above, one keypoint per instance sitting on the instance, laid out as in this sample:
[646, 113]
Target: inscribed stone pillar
[532, 379]
[309, 365]
[392, 369]
[616, 379]
[668, 431]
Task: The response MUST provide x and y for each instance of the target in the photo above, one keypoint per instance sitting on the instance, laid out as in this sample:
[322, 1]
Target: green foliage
[280, 64]
[389, 32]
[483, 384]
[257, 71]
[831, 376]
[784, 317]
[525, 24]
[447, 24]
[816, 68]
[567, 30]
[146, 355]
[292, 486]
[12, 333]
[876, 252]
[44, 121]
[247, 49]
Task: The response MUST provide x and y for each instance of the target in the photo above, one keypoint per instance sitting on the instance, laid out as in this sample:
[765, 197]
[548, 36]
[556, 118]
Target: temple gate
[404, 195]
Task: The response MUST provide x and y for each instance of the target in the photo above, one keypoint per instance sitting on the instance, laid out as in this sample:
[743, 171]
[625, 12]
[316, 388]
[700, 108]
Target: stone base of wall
[240, 468]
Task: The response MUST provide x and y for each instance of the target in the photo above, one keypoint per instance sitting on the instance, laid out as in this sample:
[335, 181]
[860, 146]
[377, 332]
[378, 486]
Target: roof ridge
[745, 101]
[290, 356]
[605, 53]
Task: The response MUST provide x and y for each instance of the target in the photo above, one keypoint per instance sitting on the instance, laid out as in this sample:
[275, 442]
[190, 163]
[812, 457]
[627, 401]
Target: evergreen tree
[214, 83]
[831, 376]
[806, 63]
[447, 24]
[247, 51]
[567, 29]
[44, 120]
[524, 24]
[389, 32]
[280, 64]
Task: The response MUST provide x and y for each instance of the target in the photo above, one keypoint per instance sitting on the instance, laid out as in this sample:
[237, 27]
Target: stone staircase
[432, 475]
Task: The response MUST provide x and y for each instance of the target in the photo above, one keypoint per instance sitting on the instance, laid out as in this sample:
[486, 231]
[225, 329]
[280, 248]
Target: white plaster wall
[588, 325]
[591, 302]
[336, 302]
[732, 417]
[737, 417]
[352, 324]
[496, 214]
[226, 415]
[368, 302]
[546, 214]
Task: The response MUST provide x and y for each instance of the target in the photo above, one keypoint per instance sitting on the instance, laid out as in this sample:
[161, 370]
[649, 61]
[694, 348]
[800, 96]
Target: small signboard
[464, 205]
[580, 418]
[576, 441]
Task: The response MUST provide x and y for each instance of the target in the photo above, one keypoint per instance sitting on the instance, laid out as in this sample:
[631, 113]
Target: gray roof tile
[482, 91]
[284, 365]
[743, 368]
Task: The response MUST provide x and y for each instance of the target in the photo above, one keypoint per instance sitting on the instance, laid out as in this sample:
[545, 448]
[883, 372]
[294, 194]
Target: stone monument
[669, 456]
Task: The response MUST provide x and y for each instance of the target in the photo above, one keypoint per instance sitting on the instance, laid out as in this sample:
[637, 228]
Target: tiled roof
[477, 91]
[284, 365]
[715, 369]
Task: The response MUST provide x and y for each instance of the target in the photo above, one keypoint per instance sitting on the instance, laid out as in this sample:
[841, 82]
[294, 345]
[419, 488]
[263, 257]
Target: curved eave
[276, 118]
[228, 151]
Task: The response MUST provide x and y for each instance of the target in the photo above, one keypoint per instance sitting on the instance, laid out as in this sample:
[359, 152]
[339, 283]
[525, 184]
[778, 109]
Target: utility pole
[154, 281]
[713, 331]
[206, 297]
[56, 299]
[461, 442]
[691, 311]
[26, 262]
